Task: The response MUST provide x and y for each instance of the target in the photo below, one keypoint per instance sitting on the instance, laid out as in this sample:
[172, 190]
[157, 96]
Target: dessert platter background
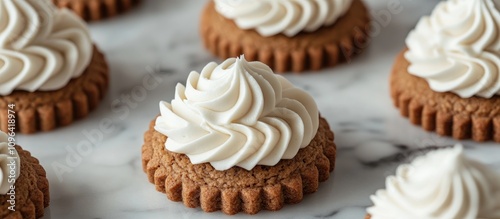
[94, 166]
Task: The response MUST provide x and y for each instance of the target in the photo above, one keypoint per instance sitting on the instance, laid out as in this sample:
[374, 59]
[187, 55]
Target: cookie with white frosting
[448, 78]
[238, 137]
[287, 35]
[51, 73]
[24, 188]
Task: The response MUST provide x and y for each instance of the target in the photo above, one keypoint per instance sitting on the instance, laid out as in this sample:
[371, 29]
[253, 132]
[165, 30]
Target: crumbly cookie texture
[325, 47]
[32, 190]
[238, 190]
[445, 113]
[93, 10]
[47, 110]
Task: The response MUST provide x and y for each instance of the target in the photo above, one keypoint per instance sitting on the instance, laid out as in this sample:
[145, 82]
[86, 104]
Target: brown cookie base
[238, 190]
[445, 113]
[93, 10]
[368, 216]
[32, 190]
[47, 110]
[325, 47]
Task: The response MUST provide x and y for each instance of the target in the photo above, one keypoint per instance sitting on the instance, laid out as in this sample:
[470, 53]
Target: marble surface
[94, 166]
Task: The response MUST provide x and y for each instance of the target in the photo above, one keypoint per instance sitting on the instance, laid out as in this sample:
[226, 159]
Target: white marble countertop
[161, 38]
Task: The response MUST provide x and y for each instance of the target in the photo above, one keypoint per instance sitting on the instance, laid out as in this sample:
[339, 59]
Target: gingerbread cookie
[236, 189]
[447, 81]
[445, 113]
[94, 10]
[332, 36]
[238, 138]
[28, 195]
[54, 75]
[47, 110]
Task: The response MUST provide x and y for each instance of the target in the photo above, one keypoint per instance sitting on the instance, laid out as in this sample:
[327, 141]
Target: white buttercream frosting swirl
[238, 113]
[41, 48]
[289, 17]
[457, 48]
[444, 184]
[7, 170]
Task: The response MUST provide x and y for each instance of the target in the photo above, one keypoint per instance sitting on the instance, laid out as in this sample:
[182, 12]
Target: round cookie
[328, 46]
[93, 10]
[32, 190]
[445, 113]
[47, 110]
[238, 190]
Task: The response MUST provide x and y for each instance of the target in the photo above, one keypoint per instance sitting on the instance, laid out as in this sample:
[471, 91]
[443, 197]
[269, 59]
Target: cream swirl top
[441, 185]
[289, 17]
[5, 159]
[238, 114]
[41, 47]
[457, 48]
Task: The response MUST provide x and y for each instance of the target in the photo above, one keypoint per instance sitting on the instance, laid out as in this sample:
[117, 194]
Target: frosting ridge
[238, 113]
[41, 48]
[456, 49]
[289, 17]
